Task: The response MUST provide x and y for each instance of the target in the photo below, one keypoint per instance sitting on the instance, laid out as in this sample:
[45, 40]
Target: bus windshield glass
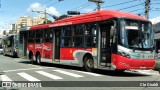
[136, 34]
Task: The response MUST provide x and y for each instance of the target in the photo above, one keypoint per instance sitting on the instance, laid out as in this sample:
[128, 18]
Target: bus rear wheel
[88, 64]
[31, 58]
[38, 59]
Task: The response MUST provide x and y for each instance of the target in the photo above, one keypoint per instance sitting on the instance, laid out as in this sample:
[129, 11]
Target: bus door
[105, 44]
[22, 52]
[56, 44]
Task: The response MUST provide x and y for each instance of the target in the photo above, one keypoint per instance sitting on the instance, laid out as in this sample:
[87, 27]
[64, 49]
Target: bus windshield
[136, 34]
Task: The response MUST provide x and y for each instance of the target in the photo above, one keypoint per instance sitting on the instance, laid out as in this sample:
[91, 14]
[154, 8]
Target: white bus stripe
[5, 78]
[89, 73]
[28, 77]
[68, 73]
[49, 75]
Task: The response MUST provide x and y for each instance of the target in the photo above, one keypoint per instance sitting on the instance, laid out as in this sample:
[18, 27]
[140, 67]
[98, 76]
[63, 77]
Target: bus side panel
[67, 53]
[47, 51]
[38, 48]
[31, 48]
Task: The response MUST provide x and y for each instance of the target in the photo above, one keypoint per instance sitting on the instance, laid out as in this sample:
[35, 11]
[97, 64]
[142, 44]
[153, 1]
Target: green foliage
[48, 21]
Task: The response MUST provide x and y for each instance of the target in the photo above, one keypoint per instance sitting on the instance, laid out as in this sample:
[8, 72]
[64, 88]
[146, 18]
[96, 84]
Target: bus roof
[90, 17]
[39, 26]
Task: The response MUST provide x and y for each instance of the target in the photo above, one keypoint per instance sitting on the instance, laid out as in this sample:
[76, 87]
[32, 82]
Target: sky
[11, 10]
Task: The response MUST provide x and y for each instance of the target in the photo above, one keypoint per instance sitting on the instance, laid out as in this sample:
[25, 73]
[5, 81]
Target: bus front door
[105, 46]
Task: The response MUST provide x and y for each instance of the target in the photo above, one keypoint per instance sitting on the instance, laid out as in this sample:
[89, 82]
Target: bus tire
[38, 58]
[88, 64]
[31, 58]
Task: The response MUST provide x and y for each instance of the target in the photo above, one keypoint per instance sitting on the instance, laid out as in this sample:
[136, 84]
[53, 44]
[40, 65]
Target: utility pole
[147, 7]
[45, 16]
[98, 3]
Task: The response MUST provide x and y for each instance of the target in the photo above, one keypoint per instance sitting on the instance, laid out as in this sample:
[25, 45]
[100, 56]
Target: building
[27, 21]
[23, 22]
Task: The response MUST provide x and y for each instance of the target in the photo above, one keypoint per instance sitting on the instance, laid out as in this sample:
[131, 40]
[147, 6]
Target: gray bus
[10, 45]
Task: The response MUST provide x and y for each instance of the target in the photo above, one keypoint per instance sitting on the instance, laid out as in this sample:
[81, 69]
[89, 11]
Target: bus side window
[78, 36]
[90, 35]
[66, 37]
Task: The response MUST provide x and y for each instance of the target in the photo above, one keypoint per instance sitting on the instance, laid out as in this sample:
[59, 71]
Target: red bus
[106, 39]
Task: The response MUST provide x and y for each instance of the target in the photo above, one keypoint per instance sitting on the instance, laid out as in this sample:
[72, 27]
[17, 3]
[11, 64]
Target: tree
[48, 21]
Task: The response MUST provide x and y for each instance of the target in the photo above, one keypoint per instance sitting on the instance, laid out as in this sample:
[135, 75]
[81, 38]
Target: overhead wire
[131, 6]
[80, 7]
[120, 3]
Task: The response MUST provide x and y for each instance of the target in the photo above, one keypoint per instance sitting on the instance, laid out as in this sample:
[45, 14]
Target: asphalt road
[17, 69]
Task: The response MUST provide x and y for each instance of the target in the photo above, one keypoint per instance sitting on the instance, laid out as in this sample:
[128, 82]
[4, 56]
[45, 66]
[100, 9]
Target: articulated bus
[10, 45]
[107, 39]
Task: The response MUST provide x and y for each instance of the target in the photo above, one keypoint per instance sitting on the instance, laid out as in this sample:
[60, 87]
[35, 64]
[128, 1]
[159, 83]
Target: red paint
[31, 48]
[125, 63]
[47, 50]
[95, 16]
[43, 48]
[67, 53]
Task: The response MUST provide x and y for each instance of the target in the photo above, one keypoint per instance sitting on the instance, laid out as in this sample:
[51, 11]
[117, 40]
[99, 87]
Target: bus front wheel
[88, 64]
[38, 59]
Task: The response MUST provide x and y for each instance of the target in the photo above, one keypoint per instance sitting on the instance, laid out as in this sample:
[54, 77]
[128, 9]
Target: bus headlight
[124, 54]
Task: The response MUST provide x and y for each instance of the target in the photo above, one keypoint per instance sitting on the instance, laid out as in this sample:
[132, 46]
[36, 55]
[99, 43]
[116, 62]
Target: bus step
[106, 64]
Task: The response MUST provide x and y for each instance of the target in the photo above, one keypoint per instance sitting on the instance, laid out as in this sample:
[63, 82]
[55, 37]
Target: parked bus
[106, 39]
[10, 45]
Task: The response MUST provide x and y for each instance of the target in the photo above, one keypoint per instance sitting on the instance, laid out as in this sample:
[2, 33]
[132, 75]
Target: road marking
[89, 73]
[147, 72]
[49, 75]
[68, 73]
[5, 78]
[35, 66]
[26, 69]
[28, 77]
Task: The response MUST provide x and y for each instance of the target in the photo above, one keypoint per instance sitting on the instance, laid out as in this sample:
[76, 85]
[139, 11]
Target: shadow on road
[11, 56]
[103, 72]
